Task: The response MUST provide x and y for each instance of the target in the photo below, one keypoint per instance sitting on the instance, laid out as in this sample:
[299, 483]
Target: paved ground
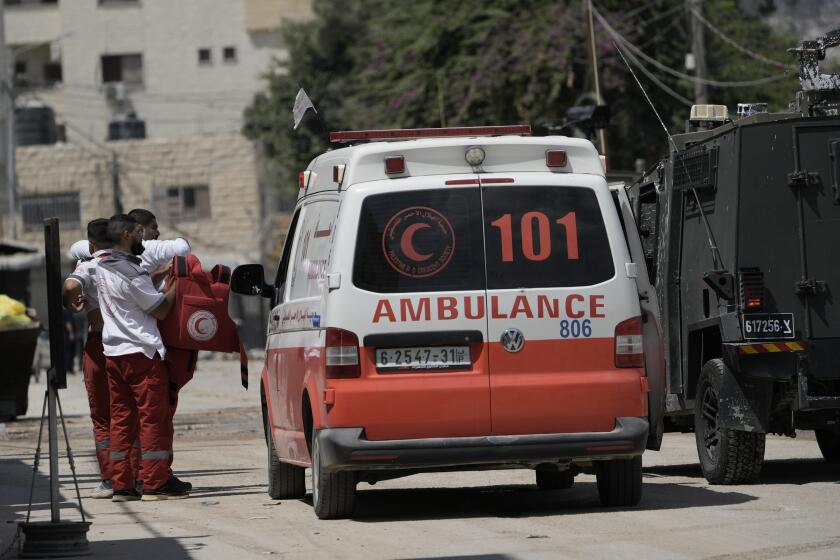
[500, 515]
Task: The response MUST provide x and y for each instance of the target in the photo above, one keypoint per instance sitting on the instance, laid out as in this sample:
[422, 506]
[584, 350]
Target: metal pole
[55, 495]
[593, 61]
[698, 49]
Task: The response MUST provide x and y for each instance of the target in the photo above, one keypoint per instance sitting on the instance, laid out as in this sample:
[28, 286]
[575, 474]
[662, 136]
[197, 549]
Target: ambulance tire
[333, 493]
[285, 481]
[555, 480]
[619, 481]
[829, 442]
[726, 456]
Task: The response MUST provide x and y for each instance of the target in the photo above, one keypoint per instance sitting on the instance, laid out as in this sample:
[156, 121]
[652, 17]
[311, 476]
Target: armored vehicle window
[420, 241]
[539, 237]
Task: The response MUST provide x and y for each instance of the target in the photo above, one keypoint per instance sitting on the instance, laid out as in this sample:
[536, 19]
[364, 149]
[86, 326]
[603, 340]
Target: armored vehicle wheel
[285, 481]
[333, 494]
[619, 481]
[726, 456]
[555, 480]
[829, 442]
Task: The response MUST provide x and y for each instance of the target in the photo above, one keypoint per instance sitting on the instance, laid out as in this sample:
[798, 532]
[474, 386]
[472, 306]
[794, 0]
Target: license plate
[768, 326]
[423, 357]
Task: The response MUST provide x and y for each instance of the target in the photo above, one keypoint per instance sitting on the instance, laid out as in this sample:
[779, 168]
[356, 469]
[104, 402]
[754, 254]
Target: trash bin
[17, 346]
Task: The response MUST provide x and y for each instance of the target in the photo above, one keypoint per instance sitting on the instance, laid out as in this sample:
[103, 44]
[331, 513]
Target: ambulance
[456, 299]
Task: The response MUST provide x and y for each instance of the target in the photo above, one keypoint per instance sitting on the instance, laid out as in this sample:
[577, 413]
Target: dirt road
[498, 515]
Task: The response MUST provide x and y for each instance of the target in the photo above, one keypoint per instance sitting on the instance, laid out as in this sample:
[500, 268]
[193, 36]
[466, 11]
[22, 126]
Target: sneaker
[181, 483]
[103, 491]
[130, 495]
[169, 491]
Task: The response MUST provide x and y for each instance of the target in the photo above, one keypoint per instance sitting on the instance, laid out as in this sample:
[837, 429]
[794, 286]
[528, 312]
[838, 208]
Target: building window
[176, 204]
[52, 72]
[20, 68]
[205, 56]
[229, 54]
[126, 68]
[38, 207]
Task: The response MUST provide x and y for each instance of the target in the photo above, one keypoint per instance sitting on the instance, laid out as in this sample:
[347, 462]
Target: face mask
[137, 247]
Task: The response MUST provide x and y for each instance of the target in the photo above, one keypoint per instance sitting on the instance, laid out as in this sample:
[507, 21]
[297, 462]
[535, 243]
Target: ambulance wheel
[619, 481]
[726, 456]
[829, 442]
[285, 481]
[333, 493]
[555, 480]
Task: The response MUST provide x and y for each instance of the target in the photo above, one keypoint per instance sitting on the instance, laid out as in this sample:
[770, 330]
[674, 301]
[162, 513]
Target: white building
[185, 67]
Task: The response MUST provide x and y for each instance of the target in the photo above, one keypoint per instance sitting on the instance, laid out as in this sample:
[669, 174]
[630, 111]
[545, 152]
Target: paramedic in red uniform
[80, 294]
[137, 376]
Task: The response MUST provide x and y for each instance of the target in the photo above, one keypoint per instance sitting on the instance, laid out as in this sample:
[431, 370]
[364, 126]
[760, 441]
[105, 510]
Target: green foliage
[427, 63]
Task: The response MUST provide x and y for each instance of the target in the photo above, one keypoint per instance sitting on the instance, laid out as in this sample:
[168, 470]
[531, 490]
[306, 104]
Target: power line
[681, 75]
[661, 85]
[738, 46]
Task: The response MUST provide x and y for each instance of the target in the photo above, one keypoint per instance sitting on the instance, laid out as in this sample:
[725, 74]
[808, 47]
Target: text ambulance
[453, 299]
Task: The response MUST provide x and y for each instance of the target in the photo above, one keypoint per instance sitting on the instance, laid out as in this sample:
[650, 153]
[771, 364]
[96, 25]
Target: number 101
[504, 223]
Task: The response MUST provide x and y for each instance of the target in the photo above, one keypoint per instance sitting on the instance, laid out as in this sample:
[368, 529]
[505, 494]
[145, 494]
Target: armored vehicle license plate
[423, 357]
[768, 326]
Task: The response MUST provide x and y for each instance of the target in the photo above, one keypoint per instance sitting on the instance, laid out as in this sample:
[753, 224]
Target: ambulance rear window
[539, 237]
[420, 241]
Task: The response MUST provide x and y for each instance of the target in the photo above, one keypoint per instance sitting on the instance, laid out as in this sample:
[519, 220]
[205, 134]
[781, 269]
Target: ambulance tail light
[629, 349]
[395, 165]
[555, 158]
[342, 353]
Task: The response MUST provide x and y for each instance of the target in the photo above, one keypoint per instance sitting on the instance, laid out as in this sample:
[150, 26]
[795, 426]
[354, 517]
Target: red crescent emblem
[198, 325]
[407, 243]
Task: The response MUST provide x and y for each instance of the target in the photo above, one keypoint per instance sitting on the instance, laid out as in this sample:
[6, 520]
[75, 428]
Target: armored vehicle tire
[619, 481]
[829, 442]
[726, 456]
[285, 481]
[555, 480]
[333, 493]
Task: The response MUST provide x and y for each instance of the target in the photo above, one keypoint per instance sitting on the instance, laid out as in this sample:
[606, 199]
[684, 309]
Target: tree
[387, 63]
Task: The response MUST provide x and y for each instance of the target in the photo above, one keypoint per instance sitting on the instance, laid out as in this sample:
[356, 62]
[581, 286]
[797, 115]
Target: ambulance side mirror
[249, 280]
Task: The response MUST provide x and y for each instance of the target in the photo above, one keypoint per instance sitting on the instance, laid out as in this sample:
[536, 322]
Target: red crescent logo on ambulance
[418, 242]
[202, 325]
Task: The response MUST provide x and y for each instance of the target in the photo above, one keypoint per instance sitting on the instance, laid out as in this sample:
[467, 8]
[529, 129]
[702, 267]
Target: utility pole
[115, 183]
[6, 125]
[593, 62]
[698, 49]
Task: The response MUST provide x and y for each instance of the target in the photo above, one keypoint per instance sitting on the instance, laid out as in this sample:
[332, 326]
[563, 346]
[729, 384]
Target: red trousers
[181, 365]
[99, 400]
[139, 391]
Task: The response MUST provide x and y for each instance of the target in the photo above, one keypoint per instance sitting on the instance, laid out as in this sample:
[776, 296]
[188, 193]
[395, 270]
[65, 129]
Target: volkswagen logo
[513, 340]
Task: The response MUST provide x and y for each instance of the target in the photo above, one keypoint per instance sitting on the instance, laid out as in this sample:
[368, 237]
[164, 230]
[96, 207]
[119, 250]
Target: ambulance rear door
[556, 291]
[414, 295]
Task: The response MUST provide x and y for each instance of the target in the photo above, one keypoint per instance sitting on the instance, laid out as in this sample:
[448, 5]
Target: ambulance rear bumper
[343, 449]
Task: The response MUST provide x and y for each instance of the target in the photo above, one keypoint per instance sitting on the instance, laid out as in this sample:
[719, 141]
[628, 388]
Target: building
[185, 67]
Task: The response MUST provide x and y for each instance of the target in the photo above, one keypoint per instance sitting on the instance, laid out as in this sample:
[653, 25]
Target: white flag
[302, 104]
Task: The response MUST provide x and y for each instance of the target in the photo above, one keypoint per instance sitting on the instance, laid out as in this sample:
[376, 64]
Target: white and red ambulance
[454, 299]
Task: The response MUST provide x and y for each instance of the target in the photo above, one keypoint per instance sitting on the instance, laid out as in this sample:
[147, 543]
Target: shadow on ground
[776, 471]
[523, 501]
[15, 482]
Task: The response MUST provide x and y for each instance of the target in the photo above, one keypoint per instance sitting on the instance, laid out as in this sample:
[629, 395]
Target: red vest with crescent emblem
[199, 320]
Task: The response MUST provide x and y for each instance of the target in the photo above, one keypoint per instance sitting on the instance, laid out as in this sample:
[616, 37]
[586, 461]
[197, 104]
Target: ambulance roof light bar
[412, 133]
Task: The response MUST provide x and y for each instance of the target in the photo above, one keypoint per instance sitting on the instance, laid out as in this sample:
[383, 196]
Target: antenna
[718, 261]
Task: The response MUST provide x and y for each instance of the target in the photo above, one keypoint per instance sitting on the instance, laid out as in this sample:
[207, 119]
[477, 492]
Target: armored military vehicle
[740, 227]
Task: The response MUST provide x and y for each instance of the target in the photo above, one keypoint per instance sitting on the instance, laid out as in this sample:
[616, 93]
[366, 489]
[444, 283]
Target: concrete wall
[179, 96]
[226, 163]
